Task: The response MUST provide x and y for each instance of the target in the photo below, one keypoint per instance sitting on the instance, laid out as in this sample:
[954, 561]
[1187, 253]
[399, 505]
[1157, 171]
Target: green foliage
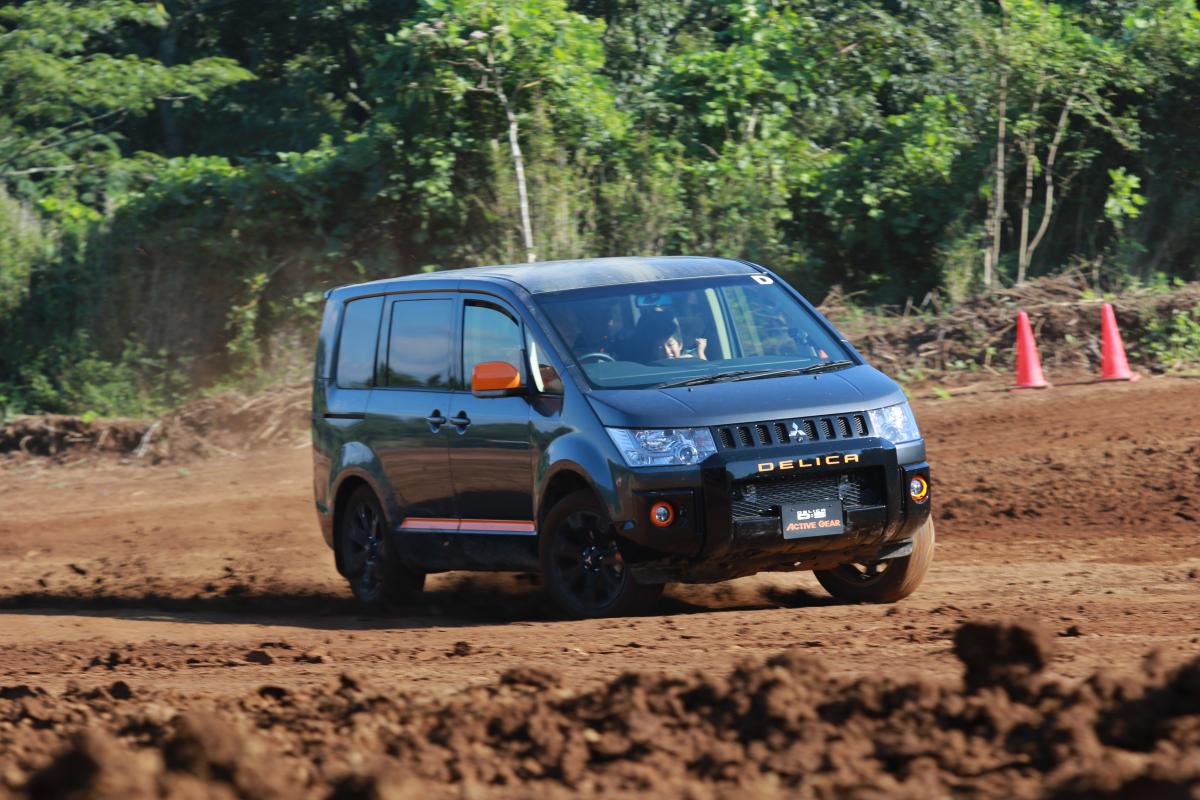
[72, 377]
[189, 175]
[1123, 201]
[66, 92]
[1174, 343]
[23, 247]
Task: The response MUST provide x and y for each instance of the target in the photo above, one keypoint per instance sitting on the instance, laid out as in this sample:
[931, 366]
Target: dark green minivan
[613, 424]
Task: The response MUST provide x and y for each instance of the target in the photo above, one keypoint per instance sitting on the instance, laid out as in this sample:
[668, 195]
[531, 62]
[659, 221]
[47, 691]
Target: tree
[1051, 70]
[511, 53]
[68, 86]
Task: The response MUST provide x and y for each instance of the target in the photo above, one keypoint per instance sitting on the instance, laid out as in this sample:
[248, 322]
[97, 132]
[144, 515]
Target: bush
[73, 378]
[1174, 344]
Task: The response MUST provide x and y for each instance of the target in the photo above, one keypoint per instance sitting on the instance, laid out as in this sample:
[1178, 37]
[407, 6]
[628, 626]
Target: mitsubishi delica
[615, 425]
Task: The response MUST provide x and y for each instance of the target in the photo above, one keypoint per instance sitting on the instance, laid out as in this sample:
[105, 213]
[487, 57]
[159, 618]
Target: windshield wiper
[773, 373]
[825, 366]
[756, 374]
[783, 373]
[717, 377]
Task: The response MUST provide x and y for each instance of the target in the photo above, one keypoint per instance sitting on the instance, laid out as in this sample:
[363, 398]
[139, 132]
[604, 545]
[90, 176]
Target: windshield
[651, 334]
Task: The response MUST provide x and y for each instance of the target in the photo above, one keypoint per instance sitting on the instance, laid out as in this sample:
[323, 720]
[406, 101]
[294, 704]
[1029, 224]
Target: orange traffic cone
[1113, 366]
[1029, 365]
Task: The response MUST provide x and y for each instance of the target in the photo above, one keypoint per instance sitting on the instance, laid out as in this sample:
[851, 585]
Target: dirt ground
[195, 586]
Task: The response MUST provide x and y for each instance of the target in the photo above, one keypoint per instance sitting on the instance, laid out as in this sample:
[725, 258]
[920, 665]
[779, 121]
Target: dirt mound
[220, 424]
[60, 436]
[779, 727]
[979, 333]
[231, 422]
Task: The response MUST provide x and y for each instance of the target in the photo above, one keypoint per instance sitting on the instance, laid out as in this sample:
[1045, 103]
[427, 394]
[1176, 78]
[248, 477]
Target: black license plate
[801, 520]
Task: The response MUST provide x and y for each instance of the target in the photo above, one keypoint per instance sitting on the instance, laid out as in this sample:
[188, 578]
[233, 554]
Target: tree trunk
[1048, 170]
[992, 262]
[514, 143]
[168, 47]
[1029, 149]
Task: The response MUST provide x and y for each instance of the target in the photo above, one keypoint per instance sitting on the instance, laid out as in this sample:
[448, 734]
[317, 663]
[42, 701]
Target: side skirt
[443, 545]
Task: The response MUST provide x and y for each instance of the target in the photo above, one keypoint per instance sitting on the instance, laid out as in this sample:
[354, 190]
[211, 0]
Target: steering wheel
[597, 358]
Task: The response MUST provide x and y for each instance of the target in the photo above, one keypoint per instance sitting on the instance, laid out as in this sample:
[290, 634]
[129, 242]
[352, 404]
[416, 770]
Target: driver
[600, 326]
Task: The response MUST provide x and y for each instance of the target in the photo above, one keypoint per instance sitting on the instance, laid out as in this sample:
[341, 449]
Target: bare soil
[180, 631]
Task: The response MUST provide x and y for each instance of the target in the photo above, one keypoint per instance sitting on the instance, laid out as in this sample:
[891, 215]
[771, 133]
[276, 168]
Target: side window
[419, 343]
[356, 345]
[545, 376]
[489, 334]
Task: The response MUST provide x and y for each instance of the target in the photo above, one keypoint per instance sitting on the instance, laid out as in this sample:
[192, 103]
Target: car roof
[558, 276]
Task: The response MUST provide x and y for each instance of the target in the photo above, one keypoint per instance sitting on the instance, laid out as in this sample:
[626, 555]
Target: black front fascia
[877, 520]
[882, 515]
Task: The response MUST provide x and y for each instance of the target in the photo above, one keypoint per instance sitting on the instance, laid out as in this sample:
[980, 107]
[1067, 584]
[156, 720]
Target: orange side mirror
[495, 379]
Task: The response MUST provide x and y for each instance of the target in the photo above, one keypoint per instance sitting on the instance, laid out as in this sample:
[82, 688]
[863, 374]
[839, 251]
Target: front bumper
[713, 537]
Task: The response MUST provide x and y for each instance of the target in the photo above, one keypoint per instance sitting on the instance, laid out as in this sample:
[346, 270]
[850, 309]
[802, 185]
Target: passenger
[657, 337]
[674, 348]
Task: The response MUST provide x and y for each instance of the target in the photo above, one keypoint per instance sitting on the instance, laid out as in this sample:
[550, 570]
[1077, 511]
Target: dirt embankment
[974, 340]
[779, 727]
[222, 424]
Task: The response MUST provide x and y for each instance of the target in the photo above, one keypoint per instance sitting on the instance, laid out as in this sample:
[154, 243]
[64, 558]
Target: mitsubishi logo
[797, 433]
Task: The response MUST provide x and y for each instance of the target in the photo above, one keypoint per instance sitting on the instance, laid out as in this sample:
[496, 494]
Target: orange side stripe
[456, 525]
[515, 526]
[431, 523]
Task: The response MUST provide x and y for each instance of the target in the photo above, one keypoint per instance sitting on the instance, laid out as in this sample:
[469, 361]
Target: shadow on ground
[463, 599]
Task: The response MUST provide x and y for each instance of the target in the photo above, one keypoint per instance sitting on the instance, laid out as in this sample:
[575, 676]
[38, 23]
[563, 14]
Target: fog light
[918, 489]
[662, 514]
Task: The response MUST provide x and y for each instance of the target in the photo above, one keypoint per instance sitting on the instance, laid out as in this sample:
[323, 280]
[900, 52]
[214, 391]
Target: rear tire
[366, 558]
[582, 566]
[882, 581]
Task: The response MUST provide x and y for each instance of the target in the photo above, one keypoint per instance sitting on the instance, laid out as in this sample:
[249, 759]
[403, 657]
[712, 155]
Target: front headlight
[895, 423]
[663, 447]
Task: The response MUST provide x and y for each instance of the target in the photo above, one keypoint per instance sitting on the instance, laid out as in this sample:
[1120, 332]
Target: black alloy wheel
[582, 562]
[365, 557]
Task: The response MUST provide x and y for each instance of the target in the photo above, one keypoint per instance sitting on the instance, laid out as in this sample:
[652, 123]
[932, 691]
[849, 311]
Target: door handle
[435, 420]
[462, 421]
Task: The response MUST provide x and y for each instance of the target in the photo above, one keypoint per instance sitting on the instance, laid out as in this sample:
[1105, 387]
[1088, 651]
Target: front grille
[837, 427]
[762, 498]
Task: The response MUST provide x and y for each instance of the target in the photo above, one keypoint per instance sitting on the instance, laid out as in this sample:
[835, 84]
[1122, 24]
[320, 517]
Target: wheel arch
[570, 462]
[347, 486]
[563, 482]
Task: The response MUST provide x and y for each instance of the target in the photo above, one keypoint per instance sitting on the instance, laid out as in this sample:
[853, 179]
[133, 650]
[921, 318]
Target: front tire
[365, 555]
[582, 565]
[882, 581]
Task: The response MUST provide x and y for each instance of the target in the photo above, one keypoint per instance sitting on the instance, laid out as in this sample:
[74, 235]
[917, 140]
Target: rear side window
[419, 343]
[489, 334]
[356, 346]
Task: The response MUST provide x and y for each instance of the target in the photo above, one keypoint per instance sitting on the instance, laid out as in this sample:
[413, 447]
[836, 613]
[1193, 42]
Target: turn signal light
[918, 488]
[662, 514]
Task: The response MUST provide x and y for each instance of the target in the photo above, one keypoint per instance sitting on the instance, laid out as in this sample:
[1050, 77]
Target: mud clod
[1005, 653]
[120, 691]
[206, 747]
[94, 766]
[259, 657]
[531, 677]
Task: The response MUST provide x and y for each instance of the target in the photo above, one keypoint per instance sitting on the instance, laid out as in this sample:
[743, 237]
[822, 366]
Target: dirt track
[1077, 507]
